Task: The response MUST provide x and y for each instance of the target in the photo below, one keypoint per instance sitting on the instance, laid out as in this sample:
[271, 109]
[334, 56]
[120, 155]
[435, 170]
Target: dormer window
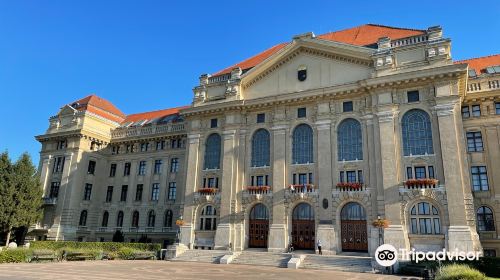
[302, 73]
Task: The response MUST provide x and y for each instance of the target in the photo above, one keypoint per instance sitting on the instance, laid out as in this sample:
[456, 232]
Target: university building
[310, 140]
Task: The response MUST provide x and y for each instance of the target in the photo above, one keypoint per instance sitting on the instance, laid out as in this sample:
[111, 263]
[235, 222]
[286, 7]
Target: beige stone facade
[405, 157]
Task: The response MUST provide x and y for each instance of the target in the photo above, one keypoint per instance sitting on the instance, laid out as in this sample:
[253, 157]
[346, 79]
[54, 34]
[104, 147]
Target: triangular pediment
[325, 63]
[67, 110]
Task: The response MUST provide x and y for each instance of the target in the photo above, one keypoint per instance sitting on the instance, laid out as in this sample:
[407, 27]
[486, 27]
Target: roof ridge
[373, 24]
[159, 110]
[472, 58]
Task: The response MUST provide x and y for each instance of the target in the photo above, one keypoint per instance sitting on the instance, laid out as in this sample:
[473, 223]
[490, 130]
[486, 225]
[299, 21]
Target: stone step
[262, 258]
[340, 263]
[205, 256]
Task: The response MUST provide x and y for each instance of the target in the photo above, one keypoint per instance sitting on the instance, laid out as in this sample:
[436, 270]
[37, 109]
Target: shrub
[103, 246]
[458, 272]
[118, 236]
[15, 255]
[126, 253]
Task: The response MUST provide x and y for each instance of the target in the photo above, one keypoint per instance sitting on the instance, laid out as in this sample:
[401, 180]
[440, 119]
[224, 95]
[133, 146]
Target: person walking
[319, 247]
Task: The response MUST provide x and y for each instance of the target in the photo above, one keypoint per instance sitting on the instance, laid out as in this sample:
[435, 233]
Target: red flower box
[300, 186]
[258, 188]
[421, 182]
[208, 191]
[350, 185]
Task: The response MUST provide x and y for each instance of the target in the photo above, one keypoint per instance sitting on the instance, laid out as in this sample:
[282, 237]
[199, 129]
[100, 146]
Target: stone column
[326, 230]
[227, 190]
[239, 223]
[192, 183]
[278, 237]
[461, 232]
[45, 173]
[396, 234]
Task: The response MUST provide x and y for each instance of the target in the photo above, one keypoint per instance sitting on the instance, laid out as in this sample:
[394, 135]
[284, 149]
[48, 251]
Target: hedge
[487, 265]
[104, 246]
[458, 272]
[15, 255]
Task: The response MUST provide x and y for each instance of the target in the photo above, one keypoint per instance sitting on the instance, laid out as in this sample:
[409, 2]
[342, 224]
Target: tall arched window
[83, 218]
[261, 148]
[353, 211]
[105, 218]
[349, 140]
[485, 221]
[259, 212]
[151, 218]
[208, 218]
[302, 150]
[168, 218]
[135, 219]
[303, 211]
[424, 219]
[212, 152]
[119, 219]
[417, 133]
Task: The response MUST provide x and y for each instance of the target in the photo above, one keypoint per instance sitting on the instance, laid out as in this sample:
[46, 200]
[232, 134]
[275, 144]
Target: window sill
[426, 236]
[303, 164]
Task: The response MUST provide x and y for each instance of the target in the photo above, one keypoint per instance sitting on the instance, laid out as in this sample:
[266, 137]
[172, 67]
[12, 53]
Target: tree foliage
[20, 193]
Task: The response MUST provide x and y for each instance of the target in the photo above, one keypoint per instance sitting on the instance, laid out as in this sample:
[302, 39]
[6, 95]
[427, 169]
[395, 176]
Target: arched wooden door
[303, 227]
[353, 228]
[258, 226]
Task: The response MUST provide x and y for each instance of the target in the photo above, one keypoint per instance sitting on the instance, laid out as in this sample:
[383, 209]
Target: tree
[118, 236]
[20, 194]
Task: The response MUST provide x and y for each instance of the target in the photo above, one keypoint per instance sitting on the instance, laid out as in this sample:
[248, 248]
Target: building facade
[310, 140]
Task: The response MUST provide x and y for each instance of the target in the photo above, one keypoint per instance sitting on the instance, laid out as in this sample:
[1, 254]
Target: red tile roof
[153, 114]
[480, 63]
[99, 106]
[363, 35]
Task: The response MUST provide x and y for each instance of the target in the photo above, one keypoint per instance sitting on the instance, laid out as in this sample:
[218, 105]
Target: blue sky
[147, 55]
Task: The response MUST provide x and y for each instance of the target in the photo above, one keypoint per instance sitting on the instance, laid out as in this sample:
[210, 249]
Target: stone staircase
[204, 256]
[262, 258]
[338, 262]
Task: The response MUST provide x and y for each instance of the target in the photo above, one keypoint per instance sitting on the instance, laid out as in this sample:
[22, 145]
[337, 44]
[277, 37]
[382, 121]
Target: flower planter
[421, 183]
[208, 191]
[302, 188]
[350, 186]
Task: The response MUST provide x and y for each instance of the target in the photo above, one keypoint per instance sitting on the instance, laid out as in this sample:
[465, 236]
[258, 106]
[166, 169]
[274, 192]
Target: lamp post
[178, 234]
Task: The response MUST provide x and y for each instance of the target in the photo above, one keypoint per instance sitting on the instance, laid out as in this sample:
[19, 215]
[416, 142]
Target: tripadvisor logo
[387, 255]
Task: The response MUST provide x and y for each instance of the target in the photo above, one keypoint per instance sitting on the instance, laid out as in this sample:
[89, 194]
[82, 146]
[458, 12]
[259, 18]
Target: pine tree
[20, 194]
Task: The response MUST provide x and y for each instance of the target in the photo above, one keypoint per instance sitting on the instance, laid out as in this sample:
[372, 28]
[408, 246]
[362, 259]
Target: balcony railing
[49, 201]
[147, 130]
[302, 188]
[258, 189]
[208, 191]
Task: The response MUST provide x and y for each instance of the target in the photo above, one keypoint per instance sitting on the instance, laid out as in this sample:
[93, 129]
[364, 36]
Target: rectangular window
[497, 108]
[420, 172]
[301, 112]
[474, 141]
[294, 179]
[347, 106]
[109, 194]
[160, 145]
[91, 167]
[126, 169]
[142, 168]
[260, 180]
[58, 165]
[465, 112]
[123, 195]
[476, 110]
[430, 169]
[311, 178]
[138, 192]
[54, 189]
[211, 182]
[479, 178]
[61, 145]
[155, 192]
[174, 165]
[302, 178]
[112, 170]
[413, 96]
[409, 173]
[341, 177]
[144, 147]
[213, 123]
[261, 118]
[351, 176]
[360, 176]
[172, 190]
[158, 164]
[87, 192]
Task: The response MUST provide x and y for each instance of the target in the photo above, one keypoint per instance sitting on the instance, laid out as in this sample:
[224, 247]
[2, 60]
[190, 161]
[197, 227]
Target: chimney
[435, 33]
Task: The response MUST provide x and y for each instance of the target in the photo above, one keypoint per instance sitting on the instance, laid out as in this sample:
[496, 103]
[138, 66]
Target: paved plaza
[120, 270]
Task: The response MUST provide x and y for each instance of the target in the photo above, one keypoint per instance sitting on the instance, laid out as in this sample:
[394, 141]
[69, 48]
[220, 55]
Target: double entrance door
[353, 228]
